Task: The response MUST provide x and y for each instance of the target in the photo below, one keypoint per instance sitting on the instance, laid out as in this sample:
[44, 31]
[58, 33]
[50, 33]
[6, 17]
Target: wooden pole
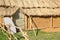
[24, 34]
[8, 29]
[30, 23]
[51, 21]
[32, 26]
[7, 32]
[26, 23]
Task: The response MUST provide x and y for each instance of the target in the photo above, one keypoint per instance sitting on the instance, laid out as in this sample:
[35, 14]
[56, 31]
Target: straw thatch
[37, 3]
[35, 7]
[40, 7]
[7, 3]
[41, 11]
[31, 3]
[7, 11]
[7, 7]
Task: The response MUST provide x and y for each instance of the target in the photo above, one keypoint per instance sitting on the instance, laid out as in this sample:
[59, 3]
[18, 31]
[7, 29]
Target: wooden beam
[26, 22]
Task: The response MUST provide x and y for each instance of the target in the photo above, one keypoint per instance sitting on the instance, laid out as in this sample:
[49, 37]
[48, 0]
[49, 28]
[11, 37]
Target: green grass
[40, 36]
[2, 36]
[44, 36]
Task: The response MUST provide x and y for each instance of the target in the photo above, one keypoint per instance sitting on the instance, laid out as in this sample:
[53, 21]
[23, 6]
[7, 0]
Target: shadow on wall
[16, 16]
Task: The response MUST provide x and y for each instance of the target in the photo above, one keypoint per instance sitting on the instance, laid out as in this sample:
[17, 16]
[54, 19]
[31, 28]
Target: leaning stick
[10, 38]
[32, 26]
[24, 34]
[10, 33]
[3, 30]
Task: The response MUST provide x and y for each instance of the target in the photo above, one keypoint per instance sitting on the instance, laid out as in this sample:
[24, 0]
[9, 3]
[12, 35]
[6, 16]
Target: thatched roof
[41, 11]
[31, 3]
[36, 3]
[7, 11]
[35, 7]
[40, 7]
[10, 3]
[7, 7]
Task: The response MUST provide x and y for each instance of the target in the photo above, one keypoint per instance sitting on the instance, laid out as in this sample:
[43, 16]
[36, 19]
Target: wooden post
[32, 26]
[26, 23]
[30, 23]
[2, 21]
[51, 21]
[8, 30]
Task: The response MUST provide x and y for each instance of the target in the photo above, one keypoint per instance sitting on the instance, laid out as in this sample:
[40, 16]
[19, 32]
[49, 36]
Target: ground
[40, 35]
